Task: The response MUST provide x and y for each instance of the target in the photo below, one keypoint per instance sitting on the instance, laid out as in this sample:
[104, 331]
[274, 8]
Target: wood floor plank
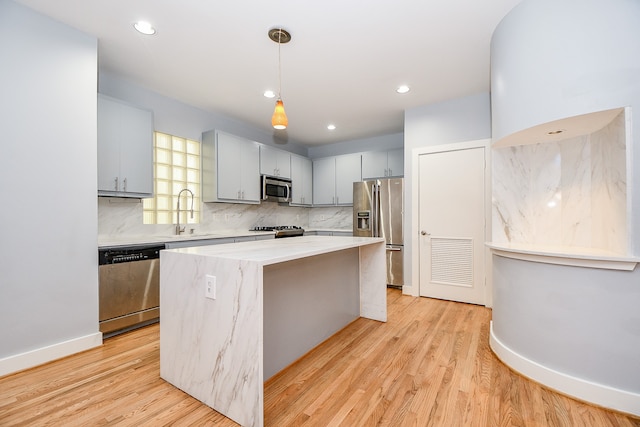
[429, 365]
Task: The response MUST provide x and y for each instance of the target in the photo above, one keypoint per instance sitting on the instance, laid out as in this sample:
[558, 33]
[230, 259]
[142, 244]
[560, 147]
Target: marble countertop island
[269, 303]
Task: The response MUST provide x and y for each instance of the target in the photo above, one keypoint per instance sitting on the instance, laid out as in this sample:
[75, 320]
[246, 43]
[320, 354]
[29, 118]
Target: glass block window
[176, 166]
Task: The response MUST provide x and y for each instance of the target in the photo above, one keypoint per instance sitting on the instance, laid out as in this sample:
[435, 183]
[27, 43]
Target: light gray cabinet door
[348, 171]
[383, 164]
[238, 169]
[301, 180]
[374, 164]
[125, 149]
[274, 162]
[250, 165]
[395, 162]
[324, 181]
[229, 162]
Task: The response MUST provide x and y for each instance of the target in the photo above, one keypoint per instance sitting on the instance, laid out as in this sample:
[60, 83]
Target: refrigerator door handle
[394, 249]
[375, 209]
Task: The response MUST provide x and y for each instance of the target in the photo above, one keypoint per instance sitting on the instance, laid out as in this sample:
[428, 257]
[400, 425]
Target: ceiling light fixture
[269, 94]
[331, 127]
[144, 28]
[403, 89]
[279, 119]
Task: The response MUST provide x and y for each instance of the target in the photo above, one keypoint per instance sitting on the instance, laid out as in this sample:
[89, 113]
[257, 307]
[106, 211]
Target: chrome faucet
[178, 228]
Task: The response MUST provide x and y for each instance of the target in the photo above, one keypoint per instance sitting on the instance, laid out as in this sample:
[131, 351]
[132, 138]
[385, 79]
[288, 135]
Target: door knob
[424, 233]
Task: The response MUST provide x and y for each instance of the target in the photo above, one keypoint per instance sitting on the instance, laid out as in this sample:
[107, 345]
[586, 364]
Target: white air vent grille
[452, 261]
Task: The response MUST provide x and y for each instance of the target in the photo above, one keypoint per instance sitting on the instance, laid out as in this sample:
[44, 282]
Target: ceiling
[342, 66]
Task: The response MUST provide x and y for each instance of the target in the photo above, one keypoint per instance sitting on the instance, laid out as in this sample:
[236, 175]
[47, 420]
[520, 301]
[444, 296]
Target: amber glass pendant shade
[279, 119]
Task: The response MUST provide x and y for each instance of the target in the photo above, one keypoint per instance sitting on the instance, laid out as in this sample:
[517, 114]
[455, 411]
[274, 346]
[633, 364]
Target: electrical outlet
[210, 286]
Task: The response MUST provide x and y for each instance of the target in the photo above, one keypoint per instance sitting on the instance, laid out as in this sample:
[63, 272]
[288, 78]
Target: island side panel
[373, 281]
[305, 302]
[212, 349]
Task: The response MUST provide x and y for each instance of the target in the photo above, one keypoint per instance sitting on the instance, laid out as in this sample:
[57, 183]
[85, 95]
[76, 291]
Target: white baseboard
[32, 358]
[581, 389]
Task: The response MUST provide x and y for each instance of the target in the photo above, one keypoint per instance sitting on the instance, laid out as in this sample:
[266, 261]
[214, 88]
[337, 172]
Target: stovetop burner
[281, 230]
[276, 227]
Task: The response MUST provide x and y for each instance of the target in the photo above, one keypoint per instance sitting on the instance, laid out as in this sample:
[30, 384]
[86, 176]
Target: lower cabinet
[220, 241]
[328, 233]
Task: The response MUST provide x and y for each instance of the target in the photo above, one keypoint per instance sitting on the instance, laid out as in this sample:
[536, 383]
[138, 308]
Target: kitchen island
[234, 315]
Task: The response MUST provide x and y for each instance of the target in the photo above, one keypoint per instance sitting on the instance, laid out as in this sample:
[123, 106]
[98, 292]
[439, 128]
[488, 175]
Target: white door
[452, 225]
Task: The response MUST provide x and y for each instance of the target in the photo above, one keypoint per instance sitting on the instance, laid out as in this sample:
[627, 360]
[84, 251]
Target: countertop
[273, 251]
[106, 241]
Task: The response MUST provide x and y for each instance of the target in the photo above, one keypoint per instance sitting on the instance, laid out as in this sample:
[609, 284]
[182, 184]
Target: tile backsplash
[120, 216]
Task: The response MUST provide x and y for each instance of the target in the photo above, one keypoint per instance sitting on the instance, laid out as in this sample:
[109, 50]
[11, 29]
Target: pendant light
[279, 119]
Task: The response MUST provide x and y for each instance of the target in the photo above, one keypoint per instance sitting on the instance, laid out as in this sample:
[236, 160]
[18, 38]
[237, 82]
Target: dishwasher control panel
[128, 254]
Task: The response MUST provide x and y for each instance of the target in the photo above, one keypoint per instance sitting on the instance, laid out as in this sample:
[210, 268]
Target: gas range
[282, 230]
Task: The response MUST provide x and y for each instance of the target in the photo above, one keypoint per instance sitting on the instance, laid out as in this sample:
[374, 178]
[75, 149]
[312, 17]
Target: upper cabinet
[301, 180]
[380, 164]
[125, 149]
[333, 179]
[230, 168]
[275, 162]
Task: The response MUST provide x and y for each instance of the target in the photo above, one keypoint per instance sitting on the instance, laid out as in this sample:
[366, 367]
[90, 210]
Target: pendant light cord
[279, 66]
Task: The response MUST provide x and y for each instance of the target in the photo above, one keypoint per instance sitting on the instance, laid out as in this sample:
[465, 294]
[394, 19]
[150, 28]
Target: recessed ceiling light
[269, 94]
[403, 89]
[144, 27]
[331, 127]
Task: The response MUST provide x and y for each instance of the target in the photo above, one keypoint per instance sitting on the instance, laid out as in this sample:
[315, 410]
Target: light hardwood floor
[429, 365]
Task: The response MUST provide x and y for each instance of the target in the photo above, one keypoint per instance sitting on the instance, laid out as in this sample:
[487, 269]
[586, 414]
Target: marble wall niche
[570, 193]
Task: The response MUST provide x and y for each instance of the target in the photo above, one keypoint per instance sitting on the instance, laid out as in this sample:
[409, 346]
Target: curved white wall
[554, 59]
[571, 328]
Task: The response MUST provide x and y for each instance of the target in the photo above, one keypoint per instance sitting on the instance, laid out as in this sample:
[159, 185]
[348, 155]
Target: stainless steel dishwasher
[129, 287]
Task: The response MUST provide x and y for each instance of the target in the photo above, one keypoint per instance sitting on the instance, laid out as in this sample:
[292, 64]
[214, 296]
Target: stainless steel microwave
[276, 189]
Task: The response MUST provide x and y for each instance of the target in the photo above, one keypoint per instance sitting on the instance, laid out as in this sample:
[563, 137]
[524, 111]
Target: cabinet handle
[116, 184]
[124, 185]
[242, 194]
[238, 194]
[390, 172]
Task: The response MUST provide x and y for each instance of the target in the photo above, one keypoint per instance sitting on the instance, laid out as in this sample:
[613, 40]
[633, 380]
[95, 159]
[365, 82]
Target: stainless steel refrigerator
[378, 208]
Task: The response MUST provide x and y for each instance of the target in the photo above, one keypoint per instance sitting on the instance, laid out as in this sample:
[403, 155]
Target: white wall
[577, 60]
[376, 143]
[553, 59]
[176, 118]
[456, 120]
[48, 256]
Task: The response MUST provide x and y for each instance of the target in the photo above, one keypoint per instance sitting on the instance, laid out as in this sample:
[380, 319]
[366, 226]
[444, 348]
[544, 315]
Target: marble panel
[544, 207]
[373, 297]
[212, 349]
[576, 192]
[609, 204]
[510, 210]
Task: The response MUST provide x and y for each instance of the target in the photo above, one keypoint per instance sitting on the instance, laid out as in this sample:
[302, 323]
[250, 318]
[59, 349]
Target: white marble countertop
[105, 241]
[273, 251]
